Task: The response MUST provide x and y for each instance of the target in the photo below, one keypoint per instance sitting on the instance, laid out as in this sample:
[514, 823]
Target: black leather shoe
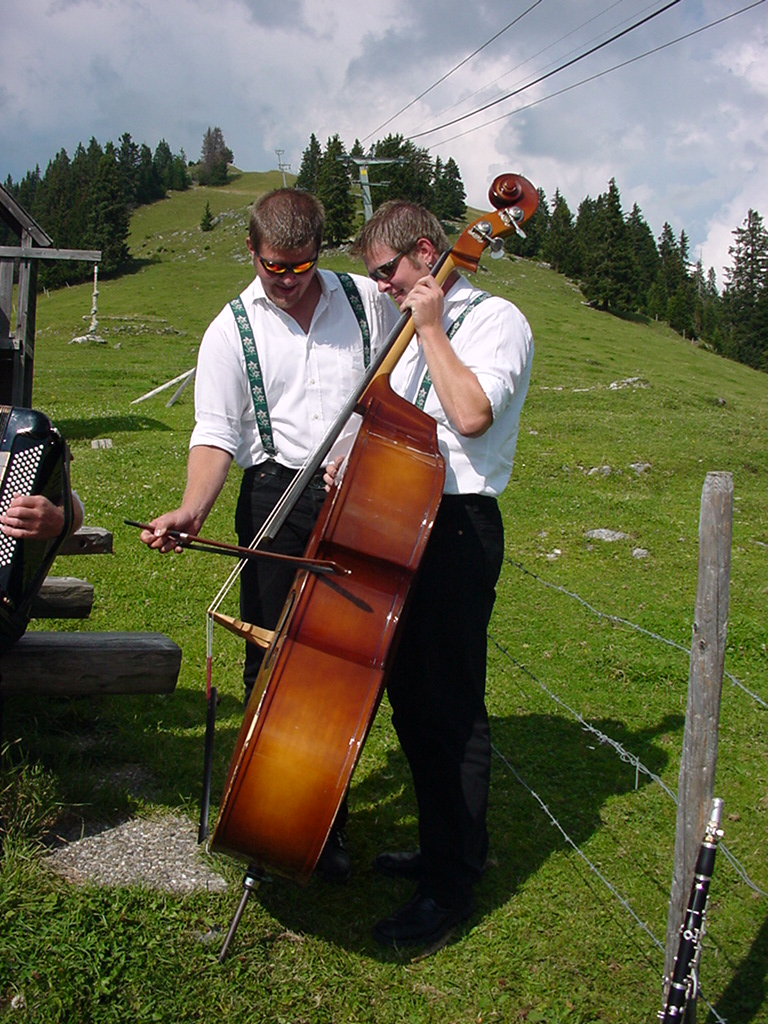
[333, 864]
[421, 922]
[404, 864]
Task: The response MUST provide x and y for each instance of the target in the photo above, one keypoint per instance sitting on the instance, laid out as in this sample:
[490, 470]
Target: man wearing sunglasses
[274, 370]
[468, 366]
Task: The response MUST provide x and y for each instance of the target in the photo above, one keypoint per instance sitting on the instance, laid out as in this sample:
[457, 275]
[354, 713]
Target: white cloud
[684, 131]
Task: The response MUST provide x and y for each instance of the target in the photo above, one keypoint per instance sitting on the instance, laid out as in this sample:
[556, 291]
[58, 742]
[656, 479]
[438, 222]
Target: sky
[682, 130]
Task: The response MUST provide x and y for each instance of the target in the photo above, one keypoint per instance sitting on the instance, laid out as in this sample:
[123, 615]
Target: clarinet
[683, 984]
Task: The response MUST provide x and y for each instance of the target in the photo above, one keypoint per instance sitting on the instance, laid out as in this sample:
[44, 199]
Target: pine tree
[162, 162]
[449, 196]
[409, 176]
[608, 266]
[670, 295]
[745, 297]
[707, 307]
[559, 247]
[645, 256]
[149, 184]
[306, 179]
[215, 156]
[52, 208]
[128, 163]
[108, 227]
[53, 200]
[334, 190]
[206, 221]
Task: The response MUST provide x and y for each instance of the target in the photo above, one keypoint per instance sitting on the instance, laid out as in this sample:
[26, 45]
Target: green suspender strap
[254, 376]
[353, 295]
[254, 367]
[426, 382]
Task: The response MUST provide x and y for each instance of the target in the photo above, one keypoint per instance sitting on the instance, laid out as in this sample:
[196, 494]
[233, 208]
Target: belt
[277, 471]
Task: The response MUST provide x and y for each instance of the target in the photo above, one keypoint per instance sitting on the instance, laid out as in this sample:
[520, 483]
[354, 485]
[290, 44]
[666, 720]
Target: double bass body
[322, 678]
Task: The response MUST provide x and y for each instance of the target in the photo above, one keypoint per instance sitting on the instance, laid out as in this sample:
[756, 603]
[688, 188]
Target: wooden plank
[63, 597]
[19, 221]
[6, 300]
[90, 664]
[9, 252]
[88, 540]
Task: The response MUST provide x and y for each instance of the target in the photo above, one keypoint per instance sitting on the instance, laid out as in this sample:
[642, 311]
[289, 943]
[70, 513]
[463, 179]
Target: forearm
[207, 469]
[78, 513]
[458, 389]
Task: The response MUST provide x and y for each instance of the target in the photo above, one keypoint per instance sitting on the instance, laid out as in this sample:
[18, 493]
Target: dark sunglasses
[273, 267]
[387, 270]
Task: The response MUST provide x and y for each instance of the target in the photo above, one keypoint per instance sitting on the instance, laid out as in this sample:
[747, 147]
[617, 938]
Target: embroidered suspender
[426, 381]
[353, 295]
[253, 366]
[254, 376]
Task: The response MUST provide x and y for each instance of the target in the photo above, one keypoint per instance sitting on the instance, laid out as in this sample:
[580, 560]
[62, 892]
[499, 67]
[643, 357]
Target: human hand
[158, 537]
[32, 517]
[425, 301]
[331, 472]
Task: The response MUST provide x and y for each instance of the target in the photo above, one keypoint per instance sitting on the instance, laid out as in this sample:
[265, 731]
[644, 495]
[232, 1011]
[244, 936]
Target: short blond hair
[398, 225]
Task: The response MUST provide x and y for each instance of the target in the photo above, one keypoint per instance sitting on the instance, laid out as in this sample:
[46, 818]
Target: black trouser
[437, 691]
[264, 583]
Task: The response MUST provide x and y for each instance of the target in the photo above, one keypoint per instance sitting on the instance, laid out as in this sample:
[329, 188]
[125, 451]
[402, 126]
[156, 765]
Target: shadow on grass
[106, 426]
[573, 779]
[84, 741]
[744, 997]
[111, 755]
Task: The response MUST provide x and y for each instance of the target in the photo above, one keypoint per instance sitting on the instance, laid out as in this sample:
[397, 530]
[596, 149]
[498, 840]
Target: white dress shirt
[496, 343]
[307, 377]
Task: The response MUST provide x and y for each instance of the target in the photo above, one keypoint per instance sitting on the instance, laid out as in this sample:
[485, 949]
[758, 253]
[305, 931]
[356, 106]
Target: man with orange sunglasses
[274, 370]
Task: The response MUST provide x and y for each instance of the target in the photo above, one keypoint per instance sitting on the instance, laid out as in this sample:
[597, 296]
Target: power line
[600, 74]
[456, 68]
[528, 60]
[549, 74]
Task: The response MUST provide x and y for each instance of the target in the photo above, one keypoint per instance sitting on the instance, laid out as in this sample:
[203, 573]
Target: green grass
[550, 941]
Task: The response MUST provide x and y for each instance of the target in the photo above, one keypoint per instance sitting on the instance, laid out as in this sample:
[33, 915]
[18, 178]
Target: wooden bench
[88, 664]
[63, 597]
[56, 664]
[67, 597]
[88, 540]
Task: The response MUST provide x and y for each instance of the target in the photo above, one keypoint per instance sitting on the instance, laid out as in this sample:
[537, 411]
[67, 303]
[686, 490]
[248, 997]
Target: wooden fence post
[696, 781]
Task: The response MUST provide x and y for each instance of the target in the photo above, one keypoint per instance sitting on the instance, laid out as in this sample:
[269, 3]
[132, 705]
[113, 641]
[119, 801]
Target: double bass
[324, 670]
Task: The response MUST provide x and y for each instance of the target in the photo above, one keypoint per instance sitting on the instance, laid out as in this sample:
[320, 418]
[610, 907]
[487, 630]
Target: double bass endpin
[251, 881]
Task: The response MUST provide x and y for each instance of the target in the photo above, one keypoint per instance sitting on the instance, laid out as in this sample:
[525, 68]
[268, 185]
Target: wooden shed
[17, 341]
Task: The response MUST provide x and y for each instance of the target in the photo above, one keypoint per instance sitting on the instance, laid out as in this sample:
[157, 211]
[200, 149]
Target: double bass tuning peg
[495, 243]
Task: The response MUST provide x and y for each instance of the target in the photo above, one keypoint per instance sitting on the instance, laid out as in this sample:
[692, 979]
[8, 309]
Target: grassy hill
[588, 676]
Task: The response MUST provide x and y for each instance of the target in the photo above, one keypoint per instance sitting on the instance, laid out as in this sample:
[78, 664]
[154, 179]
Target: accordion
[33, 460]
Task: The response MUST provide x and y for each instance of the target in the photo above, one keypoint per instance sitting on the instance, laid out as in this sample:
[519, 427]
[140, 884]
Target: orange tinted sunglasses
[273, 267]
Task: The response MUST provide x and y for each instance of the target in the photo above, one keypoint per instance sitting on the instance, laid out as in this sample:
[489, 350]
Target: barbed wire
[631, 625]
[625, 755]
[594, 869]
